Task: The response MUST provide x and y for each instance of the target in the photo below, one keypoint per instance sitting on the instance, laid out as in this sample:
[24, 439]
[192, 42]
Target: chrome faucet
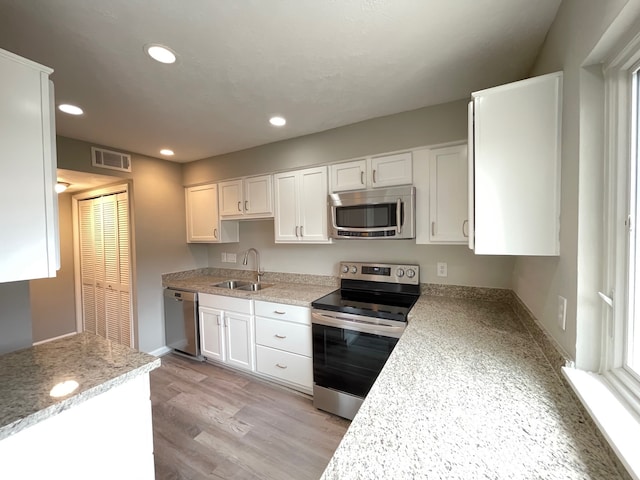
[259, 272]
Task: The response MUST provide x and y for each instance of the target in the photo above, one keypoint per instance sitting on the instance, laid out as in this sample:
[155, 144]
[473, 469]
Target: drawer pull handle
[278, 312]
[280, 336]
[281, 366]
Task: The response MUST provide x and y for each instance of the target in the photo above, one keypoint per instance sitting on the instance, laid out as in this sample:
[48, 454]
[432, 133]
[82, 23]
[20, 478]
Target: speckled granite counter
[27, 376]
[467, 394]
[288, 288]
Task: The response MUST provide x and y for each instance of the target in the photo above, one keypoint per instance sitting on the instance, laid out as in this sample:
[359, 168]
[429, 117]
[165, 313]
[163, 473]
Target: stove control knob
[411, 273]
[354, 270]
[345, 268]
[400, 273]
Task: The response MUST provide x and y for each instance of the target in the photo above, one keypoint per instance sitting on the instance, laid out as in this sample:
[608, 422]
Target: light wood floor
[210, 422]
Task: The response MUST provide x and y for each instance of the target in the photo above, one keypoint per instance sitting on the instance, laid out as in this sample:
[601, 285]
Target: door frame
[125, 187]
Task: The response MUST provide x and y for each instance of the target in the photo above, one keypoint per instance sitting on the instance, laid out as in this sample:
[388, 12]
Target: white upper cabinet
[29, 240]
[382, 171]
[203, 222]
[441, 194]
[514, 159]
[448, 195]
[247, 198]
[301, 206]
[391, 170]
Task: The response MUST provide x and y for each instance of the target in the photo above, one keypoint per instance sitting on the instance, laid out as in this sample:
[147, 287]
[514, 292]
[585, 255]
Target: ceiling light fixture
[70, 109]
[166, 151]
[277, 121]
[160, 53]
[61, 187]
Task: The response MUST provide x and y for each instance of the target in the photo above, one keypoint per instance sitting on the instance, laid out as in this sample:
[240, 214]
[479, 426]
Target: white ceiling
[320, 63]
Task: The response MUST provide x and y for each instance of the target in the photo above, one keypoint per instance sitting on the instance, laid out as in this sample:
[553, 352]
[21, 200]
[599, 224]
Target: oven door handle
[364, 327]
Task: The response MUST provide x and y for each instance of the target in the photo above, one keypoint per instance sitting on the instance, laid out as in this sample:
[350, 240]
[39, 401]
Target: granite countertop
[285, 288]
[27, 376]
[467, 394]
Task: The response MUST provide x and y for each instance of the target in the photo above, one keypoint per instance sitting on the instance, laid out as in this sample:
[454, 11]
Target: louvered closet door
[105, 258]
[87, 265]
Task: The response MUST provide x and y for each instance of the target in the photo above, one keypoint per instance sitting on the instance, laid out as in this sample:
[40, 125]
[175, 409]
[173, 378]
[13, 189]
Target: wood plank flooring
[210, 422]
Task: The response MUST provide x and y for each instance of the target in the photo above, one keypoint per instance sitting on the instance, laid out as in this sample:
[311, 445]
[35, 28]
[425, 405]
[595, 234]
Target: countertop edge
[74, 400]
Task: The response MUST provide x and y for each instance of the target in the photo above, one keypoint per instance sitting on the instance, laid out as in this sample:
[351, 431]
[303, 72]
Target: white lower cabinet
[283, 344]
[226, 330]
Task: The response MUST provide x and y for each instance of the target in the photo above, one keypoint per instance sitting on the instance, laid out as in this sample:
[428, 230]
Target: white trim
[71, 334]
[618, 423]
[160, 352]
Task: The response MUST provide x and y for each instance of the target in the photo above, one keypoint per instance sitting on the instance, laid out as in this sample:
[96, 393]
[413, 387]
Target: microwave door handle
[398, 218]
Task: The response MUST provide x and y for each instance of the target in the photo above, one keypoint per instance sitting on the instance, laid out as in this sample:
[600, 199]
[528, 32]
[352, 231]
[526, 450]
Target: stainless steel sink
[254, 287]
[231, 284]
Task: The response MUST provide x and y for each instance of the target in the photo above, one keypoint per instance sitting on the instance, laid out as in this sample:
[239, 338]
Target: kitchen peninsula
[105, 421]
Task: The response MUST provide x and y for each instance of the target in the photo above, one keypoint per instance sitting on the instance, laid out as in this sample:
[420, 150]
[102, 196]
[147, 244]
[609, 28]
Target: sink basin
[231, 284]
[254, 287]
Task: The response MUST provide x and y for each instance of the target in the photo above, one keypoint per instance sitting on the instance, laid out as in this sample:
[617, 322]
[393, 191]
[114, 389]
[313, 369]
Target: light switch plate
[231, 257]
[562, 312]
[223, 258]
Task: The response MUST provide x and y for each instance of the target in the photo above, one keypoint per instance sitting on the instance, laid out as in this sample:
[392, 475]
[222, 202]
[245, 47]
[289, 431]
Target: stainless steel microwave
[383, 214]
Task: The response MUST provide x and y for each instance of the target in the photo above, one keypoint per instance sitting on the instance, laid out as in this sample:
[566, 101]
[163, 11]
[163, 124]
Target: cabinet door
[392, 170]
[448, 195]
[230, 199]
[516, 133]
[29, 238]
[212, 334]
[258, 196]
[312, 201]
[349, 176]
[286, 212]
[239, 340]
[202, 213]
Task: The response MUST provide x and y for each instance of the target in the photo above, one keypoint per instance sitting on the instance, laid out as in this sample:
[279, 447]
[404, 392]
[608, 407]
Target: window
[621, 319]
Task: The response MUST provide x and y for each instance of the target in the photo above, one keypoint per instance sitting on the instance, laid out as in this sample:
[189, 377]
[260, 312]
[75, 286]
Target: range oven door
[348, 356]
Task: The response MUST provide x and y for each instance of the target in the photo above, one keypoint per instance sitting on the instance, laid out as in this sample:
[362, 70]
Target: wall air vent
[109, 159]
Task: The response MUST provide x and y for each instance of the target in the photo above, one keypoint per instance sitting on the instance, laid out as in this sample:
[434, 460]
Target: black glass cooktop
[370, 304]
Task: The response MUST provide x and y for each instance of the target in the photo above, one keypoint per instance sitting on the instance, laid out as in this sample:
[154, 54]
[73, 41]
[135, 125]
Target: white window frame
[621, 143]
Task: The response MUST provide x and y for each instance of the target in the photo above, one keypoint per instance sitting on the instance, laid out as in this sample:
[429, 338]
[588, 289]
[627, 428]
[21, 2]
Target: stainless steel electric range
[355, 329]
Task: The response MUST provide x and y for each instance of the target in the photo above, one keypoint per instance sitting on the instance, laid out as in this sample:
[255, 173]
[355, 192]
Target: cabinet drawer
[228, 304]
[291, 337]
[282, 311]
[286, 366]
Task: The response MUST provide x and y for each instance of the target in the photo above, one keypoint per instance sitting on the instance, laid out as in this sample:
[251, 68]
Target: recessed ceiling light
[70, 109]
[160, 53]
[166, 151]
[277, 121]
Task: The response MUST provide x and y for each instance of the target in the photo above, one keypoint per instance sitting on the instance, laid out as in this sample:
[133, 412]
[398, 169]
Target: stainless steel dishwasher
[181, 321]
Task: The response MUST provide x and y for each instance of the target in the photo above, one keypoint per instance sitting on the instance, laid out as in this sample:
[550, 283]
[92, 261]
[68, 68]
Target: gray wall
[575, 274]
[426, 126]
[159, 231]
[52, 299]
[15, 316]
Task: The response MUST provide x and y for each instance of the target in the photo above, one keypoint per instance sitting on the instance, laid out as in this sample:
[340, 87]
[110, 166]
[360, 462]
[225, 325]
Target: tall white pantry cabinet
[514, 167]
[29, 216]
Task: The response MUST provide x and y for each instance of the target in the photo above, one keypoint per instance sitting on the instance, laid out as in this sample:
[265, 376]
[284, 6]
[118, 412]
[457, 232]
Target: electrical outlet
[562, 312]
[231, 257]
[441, 270]
[224, 258]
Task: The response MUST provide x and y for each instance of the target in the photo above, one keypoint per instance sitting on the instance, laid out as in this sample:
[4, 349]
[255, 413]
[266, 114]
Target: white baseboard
[159, 352]
[54, 338]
